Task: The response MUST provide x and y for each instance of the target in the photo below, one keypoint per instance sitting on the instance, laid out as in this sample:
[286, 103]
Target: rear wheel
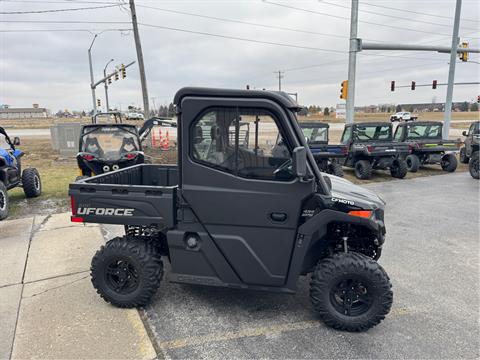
[398, 169]
[4, 201]
[363, 169]
[463, 156]
[351, 292]
[126, 272]
[413, 163]
[32, 186]
[336, 169]
[448, 163]
[473, 165]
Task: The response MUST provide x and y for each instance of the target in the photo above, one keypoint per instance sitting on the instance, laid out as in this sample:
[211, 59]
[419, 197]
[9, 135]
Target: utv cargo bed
[139, 195]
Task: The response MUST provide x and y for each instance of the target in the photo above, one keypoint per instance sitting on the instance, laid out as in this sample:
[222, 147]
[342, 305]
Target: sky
[229, 44]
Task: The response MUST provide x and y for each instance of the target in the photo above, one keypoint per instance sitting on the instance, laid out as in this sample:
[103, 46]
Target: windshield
[3, 142]
[373, 132]
[424, 131]
[315, 134]
[109, 142]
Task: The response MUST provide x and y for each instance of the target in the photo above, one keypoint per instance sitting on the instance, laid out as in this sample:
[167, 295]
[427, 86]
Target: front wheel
[351, 292]
[473, 165]
[4, 201]
[413, 163]
[32, 186]
[363, 169]
[126, 272]
[398, 169]
[463, 156]
[448, 163]
[336, 169]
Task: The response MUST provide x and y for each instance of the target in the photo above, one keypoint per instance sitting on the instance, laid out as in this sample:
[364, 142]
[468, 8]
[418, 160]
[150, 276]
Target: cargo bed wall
[140, 195]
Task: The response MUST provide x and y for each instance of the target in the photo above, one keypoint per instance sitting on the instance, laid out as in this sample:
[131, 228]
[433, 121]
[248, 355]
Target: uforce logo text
[105, 211]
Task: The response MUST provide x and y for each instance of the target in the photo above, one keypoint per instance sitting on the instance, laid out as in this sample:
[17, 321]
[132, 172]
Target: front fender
[314, 230]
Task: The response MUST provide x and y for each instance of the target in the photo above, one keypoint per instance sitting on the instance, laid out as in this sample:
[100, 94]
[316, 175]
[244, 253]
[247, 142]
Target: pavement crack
[57, 287]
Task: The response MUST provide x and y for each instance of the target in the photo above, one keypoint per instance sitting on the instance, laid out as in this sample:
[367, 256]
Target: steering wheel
[284, 166]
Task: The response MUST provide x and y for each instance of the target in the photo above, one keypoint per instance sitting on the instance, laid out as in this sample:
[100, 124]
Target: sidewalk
[48, 307]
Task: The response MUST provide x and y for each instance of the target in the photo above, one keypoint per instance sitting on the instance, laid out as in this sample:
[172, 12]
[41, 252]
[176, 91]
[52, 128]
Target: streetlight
[106, 86]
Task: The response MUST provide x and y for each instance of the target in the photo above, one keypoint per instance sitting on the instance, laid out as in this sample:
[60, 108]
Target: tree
[326, 111]
[464, 106]
[398, 108]
[474, 107]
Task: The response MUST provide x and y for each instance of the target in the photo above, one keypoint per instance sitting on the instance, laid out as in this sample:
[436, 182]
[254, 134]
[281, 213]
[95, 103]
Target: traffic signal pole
[352, 63]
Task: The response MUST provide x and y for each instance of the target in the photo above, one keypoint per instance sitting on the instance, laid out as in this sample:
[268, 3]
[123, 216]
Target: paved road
[431, 255]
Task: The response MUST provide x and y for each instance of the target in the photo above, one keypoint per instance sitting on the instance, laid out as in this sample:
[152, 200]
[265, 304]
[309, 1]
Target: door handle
[278, 216]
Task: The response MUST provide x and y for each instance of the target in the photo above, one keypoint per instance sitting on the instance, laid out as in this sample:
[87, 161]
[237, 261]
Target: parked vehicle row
[11, 174]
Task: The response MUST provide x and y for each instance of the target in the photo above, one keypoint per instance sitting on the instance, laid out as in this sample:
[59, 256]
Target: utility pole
[141, 65]
[451, 71]
[352, 63]
[106, 85]
[94, 97]
[280, 77]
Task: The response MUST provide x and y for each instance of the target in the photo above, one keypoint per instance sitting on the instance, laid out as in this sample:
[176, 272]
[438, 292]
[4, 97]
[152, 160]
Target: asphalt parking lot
[431, 255]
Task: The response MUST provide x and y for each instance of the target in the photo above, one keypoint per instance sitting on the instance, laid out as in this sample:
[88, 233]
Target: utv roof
[421, 123]
[376, 123]
[278, 96]
[313, 124]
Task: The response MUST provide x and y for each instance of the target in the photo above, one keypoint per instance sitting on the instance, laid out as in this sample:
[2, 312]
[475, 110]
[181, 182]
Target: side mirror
[299, 162]
[464, 133]
[16, 141]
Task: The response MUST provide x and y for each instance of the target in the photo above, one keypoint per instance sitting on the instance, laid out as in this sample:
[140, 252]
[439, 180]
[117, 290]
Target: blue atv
[11, 175]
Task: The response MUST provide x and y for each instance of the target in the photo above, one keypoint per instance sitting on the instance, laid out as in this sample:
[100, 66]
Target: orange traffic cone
[165, 143]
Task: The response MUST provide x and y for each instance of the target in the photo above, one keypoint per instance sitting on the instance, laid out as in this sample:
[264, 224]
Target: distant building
[24, 113]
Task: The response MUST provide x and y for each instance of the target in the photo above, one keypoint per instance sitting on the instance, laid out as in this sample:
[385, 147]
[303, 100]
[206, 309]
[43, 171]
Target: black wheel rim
[351, 297]
[3, 201]
[121, 276]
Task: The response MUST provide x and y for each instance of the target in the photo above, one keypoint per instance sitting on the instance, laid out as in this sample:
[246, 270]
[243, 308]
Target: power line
[61, 30]
[64, 22]
[242, 22]
[416, 12]
[56, 10]
[347, 18]
[243, 39]
[393, 16]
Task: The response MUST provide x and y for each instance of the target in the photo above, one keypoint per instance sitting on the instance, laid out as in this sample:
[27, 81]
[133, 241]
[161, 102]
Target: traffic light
[464, 55]
[124, 73]
[99, 103]
[116, 76]
[434, 84]
[109, 80]
[413, 85]
[478, 99]
[344, 90]
[392, 86]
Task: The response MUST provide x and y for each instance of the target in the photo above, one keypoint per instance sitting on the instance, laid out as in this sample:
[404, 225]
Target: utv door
[247, 199]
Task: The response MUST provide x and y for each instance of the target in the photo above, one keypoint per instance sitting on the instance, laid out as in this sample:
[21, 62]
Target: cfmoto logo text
[105, 211]
[343, 201]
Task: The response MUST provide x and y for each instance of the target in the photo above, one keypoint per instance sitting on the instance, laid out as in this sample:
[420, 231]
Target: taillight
[410, 147]
[72, 203]
[131, 156]
[370, 148]
[345, 150]
[88, 157]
